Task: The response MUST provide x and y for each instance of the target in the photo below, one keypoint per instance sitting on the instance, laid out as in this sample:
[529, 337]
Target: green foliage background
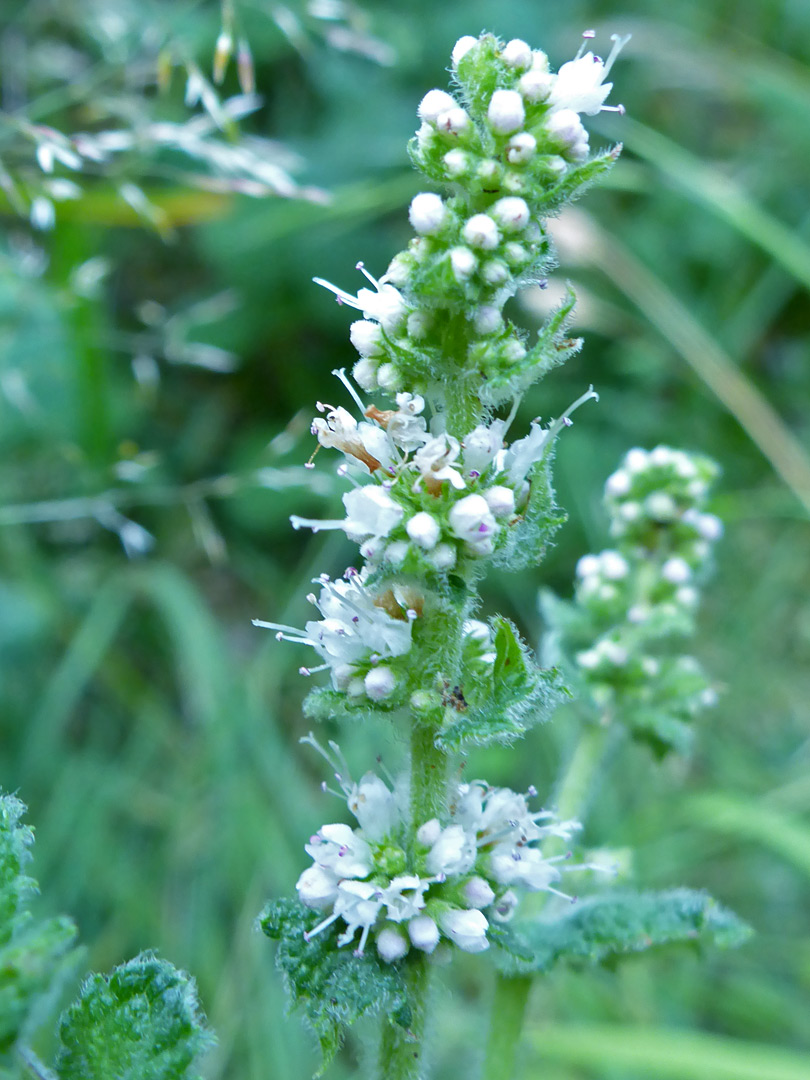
[153, 732]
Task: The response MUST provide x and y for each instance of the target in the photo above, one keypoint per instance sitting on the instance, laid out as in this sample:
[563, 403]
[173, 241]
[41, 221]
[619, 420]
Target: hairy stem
[508, 1009]
[401, 1050]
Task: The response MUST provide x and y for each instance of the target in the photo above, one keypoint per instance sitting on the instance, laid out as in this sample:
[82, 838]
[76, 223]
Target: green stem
[508, 1009]
[572, 790]
[401, 1050]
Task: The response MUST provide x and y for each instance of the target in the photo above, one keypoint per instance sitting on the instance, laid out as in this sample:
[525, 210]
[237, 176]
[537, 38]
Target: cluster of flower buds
[502, 149]
[646, 589]
[465, 872]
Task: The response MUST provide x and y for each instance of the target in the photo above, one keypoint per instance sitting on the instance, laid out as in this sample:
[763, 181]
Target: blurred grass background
[153, 732]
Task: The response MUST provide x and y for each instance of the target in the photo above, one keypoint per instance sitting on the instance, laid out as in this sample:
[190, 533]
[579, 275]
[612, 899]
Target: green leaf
[35, 956]
[15, 853]
[334, 986]
[33, 966]
[552, 348]
[326, 704]
[526, 542]
[517, 695]
[604, 928]
[577, 180]
[142, 1022]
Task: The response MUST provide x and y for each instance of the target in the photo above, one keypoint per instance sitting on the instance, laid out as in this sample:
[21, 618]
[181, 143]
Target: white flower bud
[618, 484]
[391, 944]
[500, 500]
[660, 506]
[505, 907]
[456, 163]
[588, 566]
[427, 213]
[511, 214]
[517, 54]
[566, 127]
[463, 262]
[482, 232]
[638, 613]
[494, 272]
[688, 596]
[636, 460]
[424, 933]
[613, 652]
[506, 113]
[467, 929]
[662, 456]
[513, 350]
[453, 121]
[389, 377]
[676, 571]
[443, 557]
[379, 683]
[630, 511]
[515, 254]
[478, 893]
[710, 526]
[487, 319]
[468, 515]
[462, 47]
[433, 104]
[395, 552]
[613, 565]
[520, 148]
[365, 375]
[418, 324]
[536, 85]
[429, 833]
[366, 336]
[589, 659]
[650, 666]
[488, 171]
[424, 530]
[399, 270]
[317, 887]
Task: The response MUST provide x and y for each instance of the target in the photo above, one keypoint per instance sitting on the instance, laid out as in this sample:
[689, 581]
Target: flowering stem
[508, 1009]
[576, 781]
[401, 1050]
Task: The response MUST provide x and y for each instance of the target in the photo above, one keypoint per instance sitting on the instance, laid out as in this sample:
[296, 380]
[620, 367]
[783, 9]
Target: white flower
[358, 903]
[365, 375]
[453, 852]
[660, 506]
[443, 557]
[517, 54]
[471, 520]
[636, 460]
[478, 893]
[389, 377]
[424, 933]
[495, 272]
[506, 112]
[512, 214]
[404, 898]
[385, 304]
[454, 121]
[481, 232]
[465, 928]
[374, 806]
[588, 566]
[340, 849]
[370, 511]
[317, 887]
[427, 213]
[579, 84]
[481, 446]
[435, 462]
[566, 127]
[618, 484]
[391, 944]
[505, 908]
[487, 319]
[433, 104]
[429, 833]
[524, 866]
[424, 530]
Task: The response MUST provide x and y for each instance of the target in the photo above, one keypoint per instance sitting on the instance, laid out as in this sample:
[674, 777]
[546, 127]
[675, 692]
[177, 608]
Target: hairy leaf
[334, 986]
[526, 542]
[517, 695]
[604, 928]
[577, 180]
[142, 1022]
[15, 844]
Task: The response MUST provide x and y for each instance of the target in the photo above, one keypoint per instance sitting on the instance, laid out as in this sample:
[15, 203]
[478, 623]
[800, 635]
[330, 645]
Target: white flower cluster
[360, 630]
[430, 498]
[465, 872]
[646, 589]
